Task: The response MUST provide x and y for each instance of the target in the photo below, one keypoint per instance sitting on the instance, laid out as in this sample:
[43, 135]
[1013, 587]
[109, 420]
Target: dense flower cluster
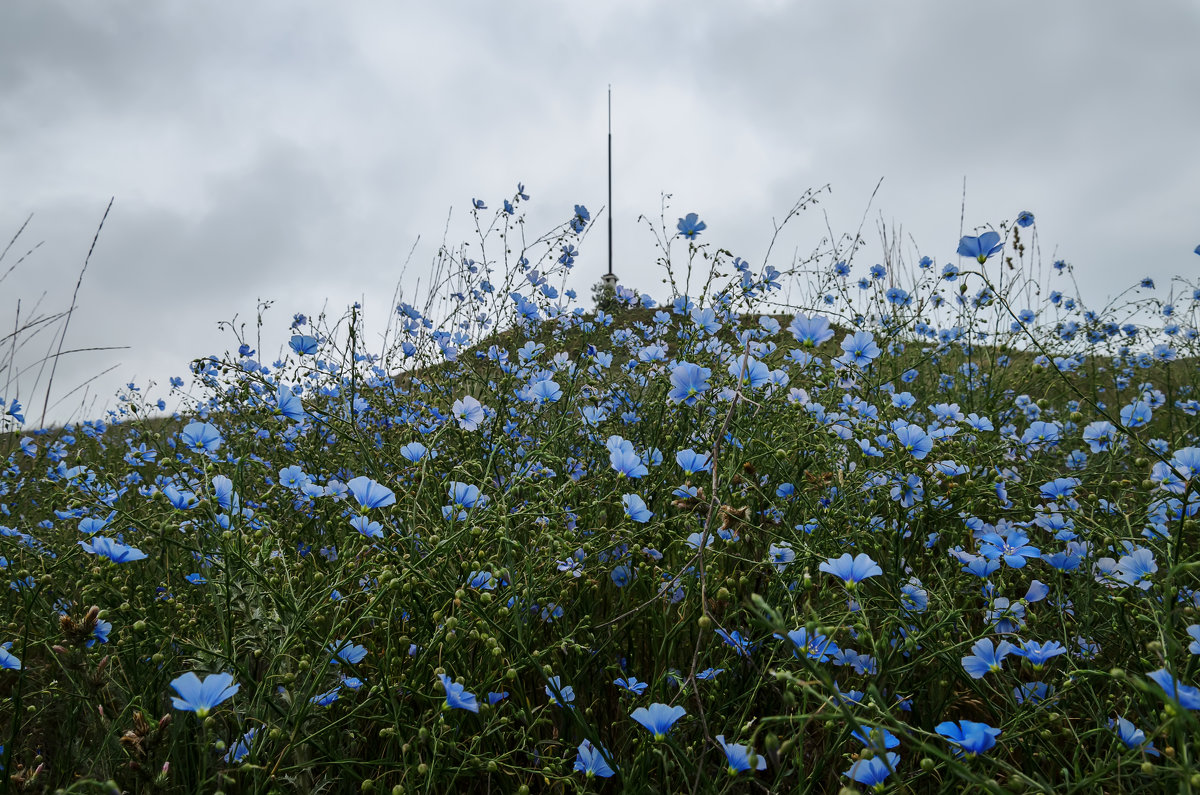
[907, 534]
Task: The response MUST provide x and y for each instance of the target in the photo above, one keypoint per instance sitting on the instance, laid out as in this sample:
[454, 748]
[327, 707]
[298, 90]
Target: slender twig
[71, 311]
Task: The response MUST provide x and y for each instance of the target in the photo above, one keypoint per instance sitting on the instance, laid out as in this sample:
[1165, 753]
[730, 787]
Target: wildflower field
[926, 525]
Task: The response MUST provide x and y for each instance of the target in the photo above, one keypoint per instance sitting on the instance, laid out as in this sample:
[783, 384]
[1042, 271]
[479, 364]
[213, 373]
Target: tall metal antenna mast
[609, 279]
[610, 220]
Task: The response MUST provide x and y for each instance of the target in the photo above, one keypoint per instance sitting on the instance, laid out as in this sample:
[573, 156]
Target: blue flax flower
[810, 331]
[200, 437]
[8, 660]
[692, 462]
[113, 550]
[859, 349]
[691, 226]
[635, 508]
[658, 718]
[738, 757]
[457, 696]
[201, 695]
[851, 570]
[371, 494]
[559, 693]
[986, 657]
[1187, 696]
[688, 382]
[632, 685]
[346, 652]
[241, 747]
[872, 772]
[816, 647]
[968, 737]
[980, 248]
[1039, 654]
[1132, 736]
[590, 761]
[735, 639]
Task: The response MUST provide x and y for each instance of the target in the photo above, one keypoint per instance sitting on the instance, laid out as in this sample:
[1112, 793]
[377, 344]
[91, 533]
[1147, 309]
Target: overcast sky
[297, 150]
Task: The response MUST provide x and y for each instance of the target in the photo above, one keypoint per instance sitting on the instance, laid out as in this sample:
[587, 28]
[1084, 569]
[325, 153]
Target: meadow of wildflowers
[913, 526]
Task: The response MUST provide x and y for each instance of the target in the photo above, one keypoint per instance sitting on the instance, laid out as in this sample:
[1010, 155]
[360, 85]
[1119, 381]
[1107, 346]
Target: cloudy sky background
[297, 150]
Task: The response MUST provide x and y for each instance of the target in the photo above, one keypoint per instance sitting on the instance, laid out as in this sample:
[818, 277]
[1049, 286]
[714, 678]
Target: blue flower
[1194, 632]
[413, 451]
[851, 570]
[346, 652]
[113, 550]
[621, 575]
[369, 493]
[781, 555]
[1187, 696]
[635, 508]
[810, 331]
[1136, 568]
[201, 695]
[288, 403]
[872, 772]
[559, 693]
[1137, 414]
[738, 757]
[8, 660]
[816, 647]
[590, 761]
[469, 412]
[692, 462]
[464, 495]
[688, 382]
[709, 673]
[1039, 654]
[914, 440]
[326, 698]
[200, 437]
[658, 718]
[859, 349]
[985, 657]
[241, 747]
[968, 737]
[632, 685]
[457, 696]
[1024, 219]
[980, 248]
[735, 639]
[1014, 548]
[1132, 736]
[99, 633]
[364, 525]
[874, 737]
[691, 226]
[303, 344]
[624, 459]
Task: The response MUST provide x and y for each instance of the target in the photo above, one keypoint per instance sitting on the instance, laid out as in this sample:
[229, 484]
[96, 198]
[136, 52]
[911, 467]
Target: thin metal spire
[610, 215]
